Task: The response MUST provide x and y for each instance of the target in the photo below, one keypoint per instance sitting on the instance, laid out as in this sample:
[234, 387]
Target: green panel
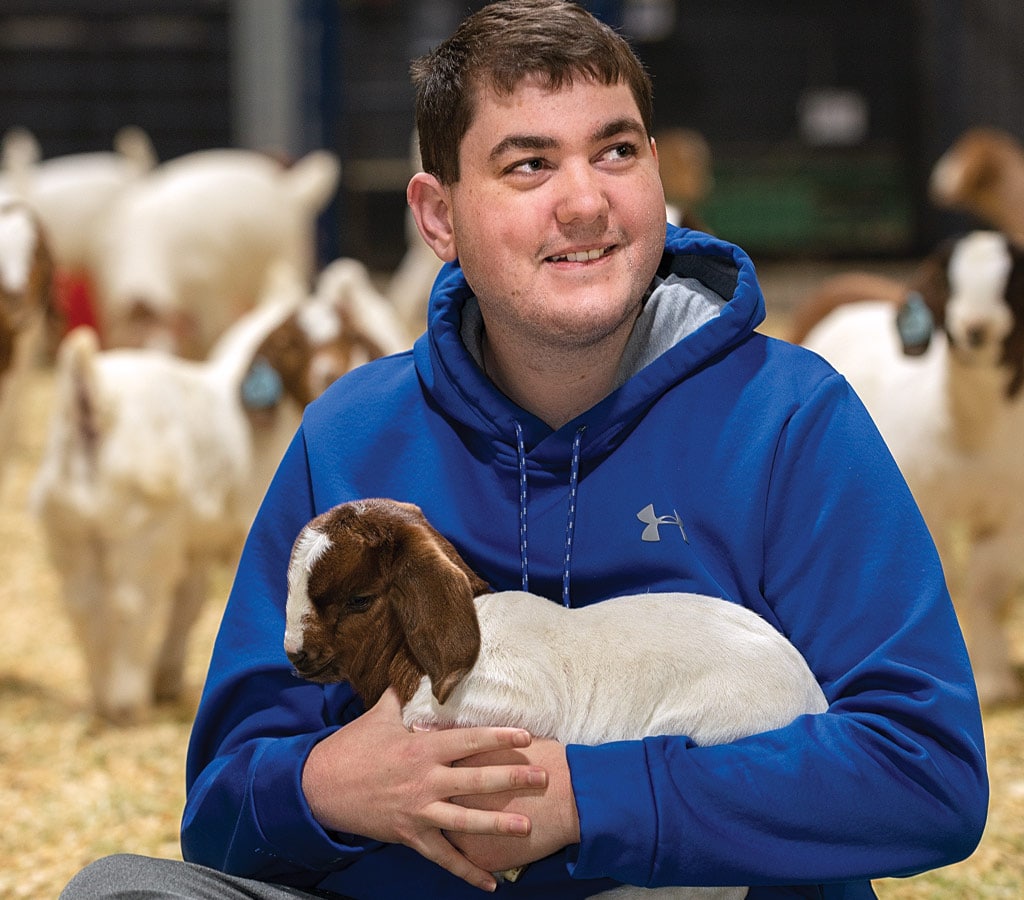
[821, 205]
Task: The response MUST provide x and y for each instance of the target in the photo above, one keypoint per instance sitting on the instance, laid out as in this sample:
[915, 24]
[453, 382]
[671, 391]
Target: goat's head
[972, 288]
[325, 337]
[377, 597]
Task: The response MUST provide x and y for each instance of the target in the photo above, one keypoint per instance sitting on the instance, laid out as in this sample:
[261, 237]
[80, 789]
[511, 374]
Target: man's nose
[583, 197]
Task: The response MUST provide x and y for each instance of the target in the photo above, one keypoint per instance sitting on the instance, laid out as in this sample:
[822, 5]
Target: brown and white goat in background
[377, 597]
[941, 373]
[982, 173]
[26, 274]
[155, 466]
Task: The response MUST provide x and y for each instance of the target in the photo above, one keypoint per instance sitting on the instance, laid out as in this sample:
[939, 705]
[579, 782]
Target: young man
[586, 376]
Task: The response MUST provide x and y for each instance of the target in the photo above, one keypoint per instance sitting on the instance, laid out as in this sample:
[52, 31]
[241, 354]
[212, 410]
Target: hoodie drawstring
[570, 525]
[521, 459]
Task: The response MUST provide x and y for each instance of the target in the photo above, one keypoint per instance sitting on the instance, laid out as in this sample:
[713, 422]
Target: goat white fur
[951, 412]
[186, 249]
[153, 471]
[396, 606]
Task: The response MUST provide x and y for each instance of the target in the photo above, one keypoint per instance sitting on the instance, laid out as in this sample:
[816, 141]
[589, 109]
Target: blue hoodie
[726, 463]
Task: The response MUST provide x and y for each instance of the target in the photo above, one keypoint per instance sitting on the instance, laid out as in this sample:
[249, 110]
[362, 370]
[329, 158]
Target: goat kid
[377, 597]
[26, 273]
[153, 471]
[941, 374]
[187, 249]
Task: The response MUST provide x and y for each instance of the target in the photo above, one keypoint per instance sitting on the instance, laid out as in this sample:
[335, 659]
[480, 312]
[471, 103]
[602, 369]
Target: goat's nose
[299, 660]
[292, 644]
[976, 335]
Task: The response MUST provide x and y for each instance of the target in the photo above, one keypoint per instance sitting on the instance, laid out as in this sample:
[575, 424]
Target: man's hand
[550, 808]
[375, 778]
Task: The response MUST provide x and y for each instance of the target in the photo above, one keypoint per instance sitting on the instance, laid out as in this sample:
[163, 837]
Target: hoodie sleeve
[891, 780]
[245, 811]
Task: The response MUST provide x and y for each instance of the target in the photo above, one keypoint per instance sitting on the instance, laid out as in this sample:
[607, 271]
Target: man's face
[559, 213]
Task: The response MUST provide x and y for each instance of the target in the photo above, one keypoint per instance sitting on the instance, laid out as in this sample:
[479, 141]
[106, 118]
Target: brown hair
[501, 45]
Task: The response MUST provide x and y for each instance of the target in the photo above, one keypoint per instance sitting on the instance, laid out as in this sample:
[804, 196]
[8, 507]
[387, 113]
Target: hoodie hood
[704, 300]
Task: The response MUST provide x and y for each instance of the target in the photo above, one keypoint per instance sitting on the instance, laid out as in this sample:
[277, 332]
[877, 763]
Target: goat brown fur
[983, 173]
[411, 565]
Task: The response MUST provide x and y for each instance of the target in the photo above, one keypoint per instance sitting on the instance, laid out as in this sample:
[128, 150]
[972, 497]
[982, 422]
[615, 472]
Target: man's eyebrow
[522, 142]
[625, 125]
[536, 142]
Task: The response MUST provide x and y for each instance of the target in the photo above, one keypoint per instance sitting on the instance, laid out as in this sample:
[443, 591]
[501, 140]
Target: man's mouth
[582, 255]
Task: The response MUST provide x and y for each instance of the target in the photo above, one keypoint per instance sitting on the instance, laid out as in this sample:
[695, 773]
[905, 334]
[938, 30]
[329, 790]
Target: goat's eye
[358, 604]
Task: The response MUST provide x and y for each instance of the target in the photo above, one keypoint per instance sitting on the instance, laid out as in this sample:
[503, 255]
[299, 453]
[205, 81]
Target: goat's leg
[83, 594]
[127, 694]
[991, 581]
[189, 597]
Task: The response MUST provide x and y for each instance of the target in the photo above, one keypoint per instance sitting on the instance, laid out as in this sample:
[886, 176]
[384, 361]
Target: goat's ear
[924, 309]
[915, 324]
[433, 600]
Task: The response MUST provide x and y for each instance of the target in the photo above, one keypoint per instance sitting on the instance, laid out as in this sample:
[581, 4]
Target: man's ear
[429, 201]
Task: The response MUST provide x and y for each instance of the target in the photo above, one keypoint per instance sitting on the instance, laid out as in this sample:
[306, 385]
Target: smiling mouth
[582, 255]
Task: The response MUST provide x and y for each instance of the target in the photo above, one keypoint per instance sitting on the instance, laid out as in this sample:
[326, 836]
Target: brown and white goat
[26, 273]
[377, 597]
[983, 174]
[153, 471]
[941, 375]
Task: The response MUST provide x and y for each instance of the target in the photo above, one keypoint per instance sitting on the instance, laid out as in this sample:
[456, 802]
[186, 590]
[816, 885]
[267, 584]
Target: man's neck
[555, 387]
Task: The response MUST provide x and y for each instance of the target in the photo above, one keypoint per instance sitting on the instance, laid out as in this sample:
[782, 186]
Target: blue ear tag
[915, 324]
[262, 387]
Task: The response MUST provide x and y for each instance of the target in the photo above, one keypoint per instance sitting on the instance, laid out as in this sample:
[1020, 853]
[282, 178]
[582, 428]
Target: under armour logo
[653, 522]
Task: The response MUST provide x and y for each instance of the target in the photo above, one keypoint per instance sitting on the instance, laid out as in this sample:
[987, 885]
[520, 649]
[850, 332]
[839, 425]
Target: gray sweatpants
[129, 877]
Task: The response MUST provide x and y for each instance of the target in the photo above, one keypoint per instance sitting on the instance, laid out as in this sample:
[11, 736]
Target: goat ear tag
[262, 387]
[915, 323]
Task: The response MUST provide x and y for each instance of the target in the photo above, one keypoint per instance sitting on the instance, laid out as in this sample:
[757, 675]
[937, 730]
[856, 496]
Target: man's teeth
[582, 256]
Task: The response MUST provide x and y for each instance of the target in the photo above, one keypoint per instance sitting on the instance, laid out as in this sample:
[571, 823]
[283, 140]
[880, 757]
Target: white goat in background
[155, 466]
[187, 249]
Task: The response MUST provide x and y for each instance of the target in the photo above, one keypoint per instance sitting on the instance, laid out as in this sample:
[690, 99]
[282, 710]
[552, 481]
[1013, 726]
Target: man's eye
[528, 166]
[623, 151]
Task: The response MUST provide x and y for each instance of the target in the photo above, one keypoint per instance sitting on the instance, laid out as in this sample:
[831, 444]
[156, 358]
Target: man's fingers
[452, 817]
[474, 780]
[459, 743]
[436, 848]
